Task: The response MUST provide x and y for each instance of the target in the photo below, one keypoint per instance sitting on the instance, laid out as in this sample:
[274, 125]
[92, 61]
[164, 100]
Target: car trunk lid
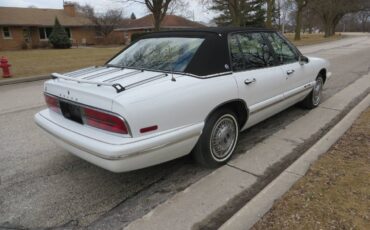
[98, 86]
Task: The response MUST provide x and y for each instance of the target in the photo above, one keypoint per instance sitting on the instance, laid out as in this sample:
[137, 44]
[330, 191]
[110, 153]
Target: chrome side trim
[289, 95]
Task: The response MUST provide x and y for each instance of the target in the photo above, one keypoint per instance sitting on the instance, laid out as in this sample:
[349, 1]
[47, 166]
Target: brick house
[146, 24]
[30, 27]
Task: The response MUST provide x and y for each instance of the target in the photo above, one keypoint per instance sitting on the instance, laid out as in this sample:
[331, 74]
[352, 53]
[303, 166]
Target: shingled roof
[14, 16]
[170, 21]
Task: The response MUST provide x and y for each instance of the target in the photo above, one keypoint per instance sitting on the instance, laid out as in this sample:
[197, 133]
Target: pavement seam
[324, 107]
[245, 171]
[294, 173]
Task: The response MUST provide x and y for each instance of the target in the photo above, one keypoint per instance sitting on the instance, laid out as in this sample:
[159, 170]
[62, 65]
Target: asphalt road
[41, 185]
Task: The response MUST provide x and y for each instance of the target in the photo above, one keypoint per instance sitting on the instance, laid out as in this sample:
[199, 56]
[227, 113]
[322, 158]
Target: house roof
[147, 22]
[39, 17]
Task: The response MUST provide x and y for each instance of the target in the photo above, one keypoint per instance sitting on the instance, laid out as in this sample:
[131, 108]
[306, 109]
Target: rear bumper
[131, 154]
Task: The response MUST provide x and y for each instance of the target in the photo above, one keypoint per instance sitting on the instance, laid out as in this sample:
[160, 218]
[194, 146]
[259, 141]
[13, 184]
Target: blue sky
[200, 13]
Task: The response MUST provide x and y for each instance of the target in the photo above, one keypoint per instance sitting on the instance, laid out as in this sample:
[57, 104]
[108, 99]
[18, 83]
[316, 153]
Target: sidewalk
[334, 194]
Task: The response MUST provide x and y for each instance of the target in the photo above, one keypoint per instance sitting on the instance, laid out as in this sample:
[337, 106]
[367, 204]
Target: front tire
[314, 98]
[218, 140]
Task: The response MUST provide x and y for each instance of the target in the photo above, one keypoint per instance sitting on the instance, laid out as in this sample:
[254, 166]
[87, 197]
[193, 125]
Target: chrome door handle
[290, 72]
[249, 81]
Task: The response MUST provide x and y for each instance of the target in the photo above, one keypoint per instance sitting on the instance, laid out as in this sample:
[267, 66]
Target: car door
[261, 84]
[297, 75]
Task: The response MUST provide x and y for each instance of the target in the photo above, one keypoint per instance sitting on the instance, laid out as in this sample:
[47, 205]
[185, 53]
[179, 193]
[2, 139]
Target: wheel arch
[240, 108]
[323, 72]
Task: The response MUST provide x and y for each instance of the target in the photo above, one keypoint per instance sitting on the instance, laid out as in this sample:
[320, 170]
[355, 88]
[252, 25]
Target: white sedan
[178, 92]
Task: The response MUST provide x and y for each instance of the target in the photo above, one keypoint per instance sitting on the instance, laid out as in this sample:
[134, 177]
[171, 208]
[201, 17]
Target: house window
[46, 31]
[6, 33]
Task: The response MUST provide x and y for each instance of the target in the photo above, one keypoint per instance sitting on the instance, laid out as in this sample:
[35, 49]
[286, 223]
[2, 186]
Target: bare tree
[332, 11]
[105, 22]
[158, 8]
[180, 7]
[85, 10]
[108, 21]
[363, 17]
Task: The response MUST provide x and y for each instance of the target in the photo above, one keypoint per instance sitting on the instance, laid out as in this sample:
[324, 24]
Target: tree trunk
[328, 29]
[270, 13]
[157, 22]
[234, 12]
[298, 26]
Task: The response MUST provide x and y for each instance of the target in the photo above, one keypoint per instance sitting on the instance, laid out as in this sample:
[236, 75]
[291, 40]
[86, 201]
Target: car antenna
[172, 77]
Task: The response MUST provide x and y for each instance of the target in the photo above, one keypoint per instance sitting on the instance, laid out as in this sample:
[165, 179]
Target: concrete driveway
[41, 185]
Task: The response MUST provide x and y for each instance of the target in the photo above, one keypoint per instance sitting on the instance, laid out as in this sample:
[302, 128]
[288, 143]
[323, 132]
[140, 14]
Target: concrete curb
[23, 79]
[264, 200]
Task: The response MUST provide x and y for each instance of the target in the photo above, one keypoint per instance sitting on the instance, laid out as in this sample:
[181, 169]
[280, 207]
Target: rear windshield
[166, 54]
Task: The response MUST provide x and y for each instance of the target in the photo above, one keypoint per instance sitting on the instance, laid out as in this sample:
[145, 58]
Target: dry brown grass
[335, 193]
[45, 61]
[311, 39]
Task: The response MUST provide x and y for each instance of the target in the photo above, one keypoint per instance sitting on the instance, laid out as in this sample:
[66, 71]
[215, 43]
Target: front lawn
[45, 61]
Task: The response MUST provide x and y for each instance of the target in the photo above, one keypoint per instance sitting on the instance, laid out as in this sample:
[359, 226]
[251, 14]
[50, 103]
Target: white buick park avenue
[180, 92]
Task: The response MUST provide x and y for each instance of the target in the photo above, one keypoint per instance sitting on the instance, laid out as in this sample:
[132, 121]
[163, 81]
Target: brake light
[105, 121]
[52, 103]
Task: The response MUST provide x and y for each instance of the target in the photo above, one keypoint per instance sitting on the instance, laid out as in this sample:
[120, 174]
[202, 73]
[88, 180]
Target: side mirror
[303, 60]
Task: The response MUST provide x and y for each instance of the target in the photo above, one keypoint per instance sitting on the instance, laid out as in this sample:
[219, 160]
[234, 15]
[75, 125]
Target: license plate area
[71, 111]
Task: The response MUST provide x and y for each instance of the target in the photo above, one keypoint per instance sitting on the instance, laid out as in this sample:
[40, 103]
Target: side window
[249, 51]
[237, 58]
[283, 51]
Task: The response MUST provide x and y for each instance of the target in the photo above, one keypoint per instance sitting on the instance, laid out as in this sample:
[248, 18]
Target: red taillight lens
[104, 121]
[52, 103]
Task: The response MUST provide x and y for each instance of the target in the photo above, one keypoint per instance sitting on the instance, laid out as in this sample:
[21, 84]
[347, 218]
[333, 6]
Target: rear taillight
[52, 103]
[92, 117]
[105, 121]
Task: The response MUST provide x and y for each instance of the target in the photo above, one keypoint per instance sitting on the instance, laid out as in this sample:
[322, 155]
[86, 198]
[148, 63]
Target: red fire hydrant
[5, 66]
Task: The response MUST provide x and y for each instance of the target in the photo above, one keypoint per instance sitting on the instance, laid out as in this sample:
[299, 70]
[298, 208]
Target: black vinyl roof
[212, 56]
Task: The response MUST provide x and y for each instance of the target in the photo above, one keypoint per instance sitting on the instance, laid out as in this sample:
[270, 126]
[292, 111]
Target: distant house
[146, 24]
[31, 27]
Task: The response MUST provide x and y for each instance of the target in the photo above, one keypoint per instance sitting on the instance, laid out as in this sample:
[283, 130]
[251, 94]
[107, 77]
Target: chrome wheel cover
[224, 137]
[317, 91]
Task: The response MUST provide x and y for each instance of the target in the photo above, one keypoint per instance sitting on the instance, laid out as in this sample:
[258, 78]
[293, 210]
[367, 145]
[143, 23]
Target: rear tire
[218, 140]
[314, 98]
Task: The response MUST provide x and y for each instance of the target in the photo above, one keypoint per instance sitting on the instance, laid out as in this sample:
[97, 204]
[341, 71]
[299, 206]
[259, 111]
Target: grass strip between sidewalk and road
[335, 192]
